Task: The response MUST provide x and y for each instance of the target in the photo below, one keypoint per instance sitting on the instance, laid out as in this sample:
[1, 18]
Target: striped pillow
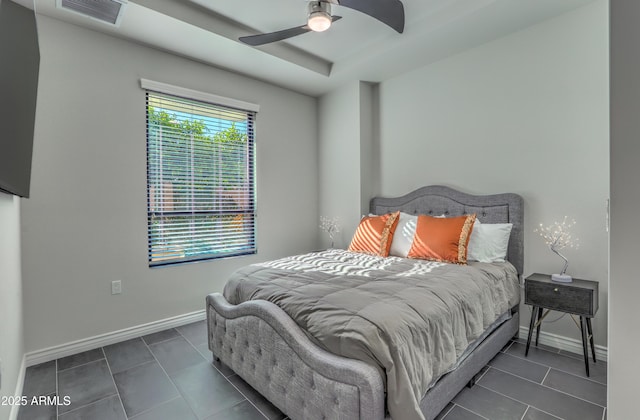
[403, 237]
[442, 239]
[374, 234]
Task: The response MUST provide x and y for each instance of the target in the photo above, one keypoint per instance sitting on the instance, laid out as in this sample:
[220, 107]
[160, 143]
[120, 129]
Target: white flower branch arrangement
[331, 225]
[557, 236]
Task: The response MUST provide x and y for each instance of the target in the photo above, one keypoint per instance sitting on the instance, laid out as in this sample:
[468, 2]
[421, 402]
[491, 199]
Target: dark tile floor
[169, 376]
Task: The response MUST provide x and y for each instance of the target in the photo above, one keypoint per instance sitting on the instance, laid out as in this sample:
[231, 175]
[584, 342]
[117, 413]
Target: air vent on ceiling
[107, 11]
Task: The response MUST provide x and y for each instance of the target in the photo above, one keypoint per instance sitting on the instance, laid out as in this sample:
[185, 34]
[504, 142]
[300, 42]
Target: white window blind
[200, 180]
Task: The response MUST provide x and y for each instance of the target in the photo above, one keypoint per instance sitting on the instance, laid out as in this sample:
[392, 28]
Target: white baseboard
[564, 343]
[67, 349]
[13, 414]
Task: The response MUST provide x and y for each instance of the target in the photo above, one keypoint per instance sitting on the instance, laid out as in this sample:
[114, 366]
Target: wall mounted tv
[19, 67]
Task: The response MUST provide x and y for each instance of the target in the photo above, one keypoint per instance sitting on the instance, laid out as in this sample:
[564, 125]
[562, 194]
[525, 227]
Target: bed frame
[263, 345]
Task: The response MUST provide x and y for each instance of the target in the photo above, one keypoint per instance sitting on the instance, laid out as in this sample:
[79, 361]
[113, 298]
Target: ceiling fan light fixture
[319, 16]
[319, 22]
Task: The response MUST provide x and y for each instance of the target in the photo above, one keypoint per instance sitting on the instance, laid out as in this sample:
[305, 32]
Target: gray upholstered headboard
[436, 200]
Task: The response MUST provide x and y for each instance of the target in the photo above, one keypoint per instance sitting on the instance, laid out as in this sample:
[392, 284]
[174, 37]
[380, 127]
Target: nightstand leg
[539, 324]
[593, 347]
[531, 326]
[583, 330]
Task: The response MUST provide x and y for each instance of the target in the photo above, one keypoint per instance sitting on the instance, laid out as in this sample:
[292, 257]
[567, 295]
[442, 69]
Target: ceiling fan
[319, 19]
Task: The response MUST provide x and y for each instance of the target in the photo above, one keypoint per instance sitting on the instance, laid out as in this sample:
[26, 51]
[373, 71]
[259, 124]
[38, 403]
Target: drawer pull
[555, 290]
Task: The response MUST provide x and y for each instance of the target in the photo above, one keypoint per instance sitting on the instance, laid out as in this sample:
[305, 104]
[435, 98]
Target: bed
[294, 368]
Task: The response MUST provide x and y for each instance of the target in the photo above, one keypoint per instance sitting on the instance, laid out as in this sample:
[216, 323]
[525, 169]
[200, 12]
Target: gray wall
[339, 133]
[526, 113]
[624, 335]
[85, 224]
[11, 325]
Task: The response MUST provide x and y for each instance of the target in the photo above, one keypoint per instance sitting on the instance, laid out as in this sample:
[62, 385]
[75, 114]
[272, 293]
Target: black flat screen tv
[19, 68]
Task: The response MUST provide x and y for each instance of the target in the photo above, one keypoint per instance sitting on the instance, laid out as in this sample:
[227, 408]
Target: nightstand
[579, 297]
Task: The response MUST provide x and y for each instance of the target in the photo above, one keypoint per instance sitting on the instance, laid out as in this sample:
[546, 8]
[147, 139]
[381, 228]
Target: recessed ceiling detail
[319, 19]
[108, 11]
[358, 47]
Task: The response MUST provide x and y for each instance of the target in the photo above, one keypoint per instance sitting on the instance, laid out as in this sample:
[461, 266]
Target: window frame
[213, 101]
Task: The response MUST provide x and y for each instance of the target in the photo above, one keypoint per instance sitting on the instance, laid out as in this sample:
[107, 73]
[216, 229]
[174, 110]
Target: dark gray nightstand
[579, 297]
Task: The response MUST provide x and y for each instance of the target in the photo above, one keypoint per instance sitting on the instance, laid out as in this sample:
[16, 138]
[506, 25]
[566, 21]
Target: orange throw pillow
[374, 234]
[442, 239]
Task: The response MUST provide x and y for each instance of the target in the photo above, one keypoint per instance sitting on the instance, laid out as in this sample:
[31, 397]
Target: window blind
[200, 180]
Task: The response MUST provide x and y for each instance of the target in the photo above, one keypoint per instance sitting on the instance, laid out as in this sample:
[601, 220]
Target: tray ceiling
[354, 48]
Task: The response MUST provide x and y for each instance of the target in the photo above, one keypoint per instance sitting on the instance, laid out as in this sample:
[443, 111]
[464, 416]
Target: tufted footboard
[263, 345]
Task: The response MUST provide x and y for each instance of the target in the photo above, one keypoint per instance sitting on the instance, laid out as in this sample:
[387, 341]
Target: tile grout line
[508, 347]
[250, 402]
[554, 354]
[548, 387]
[83, 364]
[222, 374]
[521, 402]
[466, 409]
[245, 397]
[526, 359]
[517, 376]
[572, 355]
[557, 351]
[205, 357]
[99, 399]
[192, 345]
[499, 393]
[506, 396]
[545, 375]
[132, 367]
[518, 356]
[558, 369]
[554, 350]
[448, 411]
[545, 386]
[91, 403]
[564, 392]
[525, 412]
[483, 373]
[549, 414]
[113, 379]
[161, 341]
[116, 387]
[145, 361]
[165, 372]
[154, 407]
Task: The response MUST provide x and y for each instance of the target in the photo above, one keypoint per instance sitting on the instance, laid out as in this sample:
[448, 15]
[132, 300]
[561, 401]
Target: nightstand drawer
[562, 297]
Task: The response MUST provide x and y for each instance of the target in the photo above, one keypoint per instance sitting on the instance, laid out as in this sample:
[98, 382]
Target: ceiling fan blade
[390, 12]
[262, 39]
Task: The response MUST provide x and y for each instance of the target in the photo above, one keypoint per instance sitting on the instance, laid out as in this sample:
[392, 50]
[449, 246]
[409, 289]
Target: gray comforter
[412, 319]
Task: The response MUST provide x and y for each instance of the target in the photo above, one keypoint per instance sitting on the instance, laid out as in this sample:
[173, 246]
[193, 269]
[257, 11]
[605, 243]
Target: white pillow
[403, 236]
[489, 242]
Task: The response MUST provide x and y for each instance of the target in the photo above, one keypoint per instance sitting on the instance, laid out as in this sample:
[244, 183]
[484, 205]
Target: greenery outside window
[200, 176]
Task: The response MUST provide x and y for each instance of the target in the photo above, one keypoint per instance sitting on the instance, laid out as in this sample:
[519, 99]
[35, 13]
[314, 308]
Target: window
[200, 176]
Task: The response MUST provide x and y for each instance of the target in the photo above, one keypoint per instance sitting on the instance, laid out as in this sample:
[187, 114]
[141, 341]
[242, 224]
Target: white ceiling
[357, 47]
